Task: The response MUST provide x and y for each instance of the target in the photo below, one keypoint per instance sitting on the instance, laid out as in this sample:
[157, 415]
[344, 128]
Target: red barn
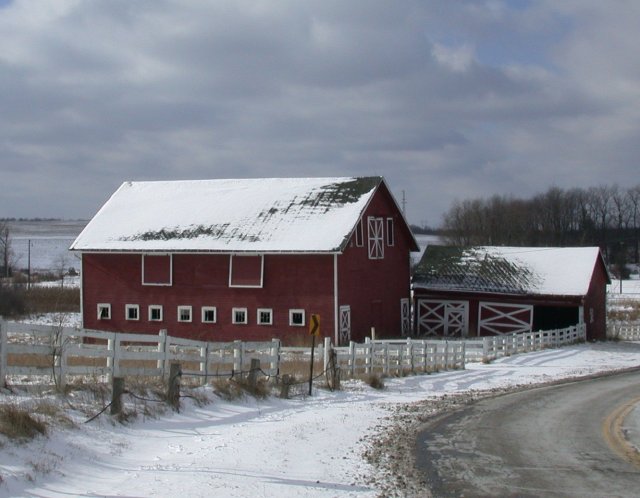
[248, 259]
[478, 291]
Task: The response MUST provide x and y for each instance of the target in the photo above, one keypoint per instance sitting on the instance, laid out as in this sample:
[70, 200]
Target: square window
[265, 316]
[132, 312]
[239, 315]
[184, 313]
[104, 311]
[296, 318]
[208, 314]
[155, 313]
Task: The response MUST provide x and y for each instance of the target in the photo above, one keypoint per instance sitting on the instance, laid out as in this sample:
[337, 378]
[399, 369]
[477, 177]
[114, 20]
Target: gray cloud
[446, 99]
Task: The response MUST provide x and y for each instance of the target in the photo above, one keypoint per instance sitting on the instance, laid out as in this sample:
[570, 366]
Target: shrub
[375, 381]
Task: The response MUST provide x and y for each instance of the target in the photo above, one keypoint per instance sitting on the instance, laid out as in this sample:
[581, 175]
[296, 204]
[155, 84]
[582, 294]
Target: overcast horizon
[446, 100]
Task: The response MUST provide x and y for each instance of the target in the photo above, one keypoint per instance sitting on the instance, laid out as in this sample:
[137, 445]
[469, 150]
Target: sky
[446, 100]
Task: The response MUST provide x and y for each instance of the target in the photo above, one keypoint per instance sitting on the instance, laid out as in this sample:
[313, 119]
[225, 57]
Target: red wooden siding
[246, 271]
[157, 270]
[290, 282]
[374, 288]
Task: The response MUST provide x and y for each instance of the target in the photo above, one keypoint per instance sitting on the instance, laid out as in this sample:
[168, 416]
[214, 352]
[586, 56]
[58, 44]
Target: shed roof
[548, 271]
[244, 215]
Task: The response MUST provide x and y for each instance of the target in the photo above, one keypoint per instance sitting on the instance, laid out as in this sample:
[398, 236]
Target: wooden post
[368, 348]
[204, 364]
[116, 395]
[173, 389]
[274, 361]
[327, 353]
[162, 352]
[237, 356]
[313, 348]
[253, 373]
[284, 386]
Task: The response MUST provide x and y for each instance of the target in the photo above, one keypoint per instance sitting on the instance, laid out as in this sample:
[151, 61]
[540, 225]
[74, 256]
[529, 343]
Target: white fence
[624, 331]
[492, 347]
[61, 353]
[396, 357]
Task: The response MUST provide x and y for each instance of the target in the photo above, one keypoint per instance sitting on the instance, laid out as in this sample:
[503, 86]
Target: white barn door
[405, 317]
[503, 318]
[443, 318]
[345, 324]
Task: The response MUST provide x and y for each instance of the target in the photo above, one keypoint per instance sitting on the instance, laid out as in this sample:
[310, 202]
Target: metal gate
[443, 318]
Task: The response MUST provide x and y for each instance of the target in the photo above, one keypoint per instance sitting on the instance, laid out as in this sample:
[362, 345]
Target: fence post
[116, 355]
[64, 355]
[161, 364]
[116, 395]
[326, 354]
[274, 363]
[110, 349]
[410, 353]
[237, 356]
[252, 379]
[3, 352]
[352, 358]
[173, 388]
[386, 358]
[204, 364]
[368, 347]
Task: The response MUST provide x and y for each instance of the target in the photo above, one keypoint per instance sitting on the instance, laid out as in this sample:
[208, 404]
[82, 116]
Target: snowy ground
[330, 444]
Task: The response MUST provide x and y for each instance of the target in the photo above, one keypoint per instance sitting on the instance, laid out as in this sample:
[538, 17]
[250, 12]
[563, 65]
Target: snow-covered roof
[565, 271]
[246, 215]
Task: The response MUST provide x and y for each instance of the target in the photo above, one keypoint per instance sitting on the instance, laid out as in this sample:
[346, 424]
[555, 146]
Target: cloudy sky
[446, 99]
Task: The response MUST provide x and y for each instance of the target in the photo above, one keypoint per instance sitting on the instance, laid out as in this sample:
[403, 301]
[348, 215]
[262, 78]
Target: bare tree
[5, 248]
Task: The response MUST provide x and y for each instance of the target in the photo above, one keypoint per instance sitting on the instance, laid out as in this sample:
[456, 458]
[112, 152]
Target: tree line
[604, 216]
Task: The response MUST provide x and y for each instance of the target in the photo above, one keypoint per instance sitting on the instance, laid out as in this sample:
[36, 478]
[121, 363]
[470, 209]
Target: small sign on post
[314, 330]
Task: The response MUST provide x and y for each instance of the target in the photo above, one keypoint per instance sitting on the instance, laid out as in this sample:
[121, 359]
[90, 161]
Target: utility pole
[404, 205]
[29, 264]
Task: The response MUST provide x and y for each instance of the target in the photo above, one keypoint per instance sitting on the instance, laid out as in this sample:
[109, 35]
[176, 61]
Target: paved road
[549, 442]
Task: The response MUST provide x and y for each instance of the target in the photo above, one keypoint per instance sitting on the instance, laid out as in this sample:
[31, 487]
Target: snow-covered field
[310, 447]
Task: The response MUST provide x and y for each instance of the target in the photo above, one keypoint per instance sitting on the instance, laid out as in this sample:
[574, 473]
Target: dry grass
[17, 423]
[624, 310]
[375, 381]
[52, 300]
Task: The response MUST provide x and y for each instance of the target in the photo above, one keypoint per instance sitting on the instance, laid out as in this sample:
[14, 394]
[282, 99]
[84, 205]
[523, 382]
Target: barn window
[184, 313]
[390, 237]
[104, 311]
[375, 237]
[239, 315]
[208, 314]
[246, 271]
[157, 269]
[359, 235]
[265, 316]
[155, 313]
[132, 312]
[296, 318]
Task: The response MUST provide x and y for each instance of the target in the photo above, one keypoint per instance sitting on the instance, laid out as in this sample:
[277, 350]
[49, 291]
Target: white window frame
[375, 237]
[152, 308]
[359, 234]
[205, 309]
[239, 310]
[258, 286]
[185, 307]
[296, 311]
[104, 306]
[132, 307]
[159, 284]
[264, 310]
[390, 233]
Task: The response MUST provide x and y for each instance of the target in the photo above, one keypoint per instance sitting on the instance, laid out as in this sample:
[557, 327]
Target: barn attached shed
[479, 291]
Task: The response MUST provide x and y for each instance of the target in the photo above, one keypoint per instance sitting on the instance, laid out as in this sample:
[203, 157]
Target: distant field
[50, 241]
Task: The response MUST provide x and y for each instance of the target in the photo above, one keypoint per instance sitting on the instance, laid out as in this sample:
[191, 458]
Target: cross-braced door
[345, 324]
[405, 317]
[375, 235]
[443, 318]
[501, 318]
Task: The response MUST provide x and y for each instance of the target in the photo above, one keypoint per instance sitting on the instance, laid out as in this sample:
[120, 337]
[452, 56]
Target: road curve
[552, 441]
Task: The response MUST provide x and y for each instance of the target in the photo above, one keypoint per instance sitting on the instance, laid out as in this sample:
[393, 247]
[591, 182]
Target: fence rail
[624, 331]
[61, 353]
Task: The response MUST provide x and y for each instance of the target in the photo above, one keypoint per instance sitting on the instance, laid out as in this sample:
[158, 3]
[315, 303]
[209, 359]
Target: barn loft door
[443, 318]
[405, 317]
[345, 324]
[501, 318]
